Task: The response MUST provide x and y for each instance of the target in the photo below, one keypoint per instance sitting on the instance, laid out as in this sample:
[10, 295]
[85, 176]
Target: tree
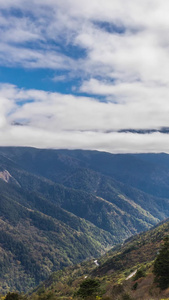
[140, 273]
[161, 266]
[88, 287]
[14, 296]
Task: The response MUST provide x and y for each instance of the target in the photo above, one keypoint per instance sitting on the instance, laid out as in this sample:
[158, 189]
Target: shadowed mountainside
[59, 207]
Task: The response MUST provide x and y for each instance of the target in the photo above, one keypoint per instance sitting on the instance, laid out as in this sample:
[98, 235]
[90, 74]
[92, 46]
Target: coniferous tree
[88, 287]
[161, 266]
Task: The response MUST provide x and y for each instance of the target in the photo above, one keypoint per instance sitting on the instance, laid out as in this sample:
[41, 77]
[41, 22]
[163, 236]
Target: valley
[61, 207]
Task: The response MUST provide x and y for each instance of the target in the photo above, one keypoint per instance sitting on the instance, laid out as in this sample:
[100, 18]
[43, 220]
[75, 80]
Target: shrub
[135, 285]
[126, 296]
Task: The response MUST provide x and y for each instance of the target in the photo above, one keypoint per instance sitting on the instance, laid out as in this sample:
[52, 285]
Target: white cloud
[140, 52]
[111, 142]
[65, 121]
[58, 78]
[128, 69]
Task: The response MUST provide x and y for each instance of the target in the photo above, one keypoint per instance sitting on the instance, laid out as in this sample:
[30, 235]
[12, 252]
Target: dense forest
[59, 208]
[135, 270]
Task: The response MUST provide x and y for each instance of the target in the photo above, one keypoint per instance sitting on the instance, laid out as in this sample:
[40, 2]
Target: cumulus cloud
[67, 112]
[140, 52]
[120, 52]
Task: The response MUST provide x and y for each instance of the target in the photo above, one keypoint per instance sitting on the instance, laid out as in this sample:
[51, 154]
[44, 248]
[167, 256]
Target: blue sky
[77, 74]
[36, 79]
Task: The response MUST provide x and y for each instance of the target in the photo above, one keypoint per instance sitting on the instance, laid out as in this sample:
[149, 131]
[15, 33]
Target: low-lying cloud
[52, 120]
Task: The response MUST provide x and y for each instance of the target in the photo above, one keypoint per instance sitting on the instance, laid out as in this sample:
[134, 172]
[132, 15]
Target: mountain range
[60, 207]
[126, 272]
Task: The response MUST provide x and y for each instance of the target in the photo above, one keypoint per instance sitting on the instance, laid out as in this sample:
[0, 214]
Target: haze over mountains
[59, 207]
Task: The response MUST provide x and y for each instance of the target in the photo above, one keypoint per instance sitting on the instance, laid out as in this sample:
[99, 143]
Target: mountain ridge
[124, 272]
[71, 199]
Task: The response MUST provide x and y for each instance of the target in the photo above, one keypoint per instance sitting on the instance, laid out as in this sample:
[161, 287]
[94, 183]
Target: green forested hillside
[147, 172]
[58, 208]
[125, 272]
[33, 243]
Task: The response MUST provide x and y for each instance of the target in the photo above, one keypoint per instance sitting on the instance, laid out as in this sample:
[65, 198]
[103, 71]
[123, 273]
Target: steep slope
[115, 213]
[34, 243]
[74, 169]
[50, 198]
[122, 195]
[147, 172]
[39, 236]
[71, 199]
[59, 166]
[116, 271]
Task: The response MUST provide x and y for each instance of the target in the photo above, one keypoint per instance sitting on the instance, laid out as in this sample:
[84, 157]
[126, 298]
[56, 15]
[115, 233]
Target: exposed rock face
[7, 177]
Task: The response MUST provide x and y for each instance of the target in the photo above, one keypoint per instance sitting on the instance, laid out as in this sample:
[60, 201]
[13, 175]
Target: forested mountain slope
[125, 272]
[59, 207]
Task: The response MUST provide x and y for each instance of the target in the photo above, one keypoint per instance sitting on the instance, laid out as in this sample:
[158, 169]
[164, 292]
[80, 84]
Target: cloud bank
[45, 119]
